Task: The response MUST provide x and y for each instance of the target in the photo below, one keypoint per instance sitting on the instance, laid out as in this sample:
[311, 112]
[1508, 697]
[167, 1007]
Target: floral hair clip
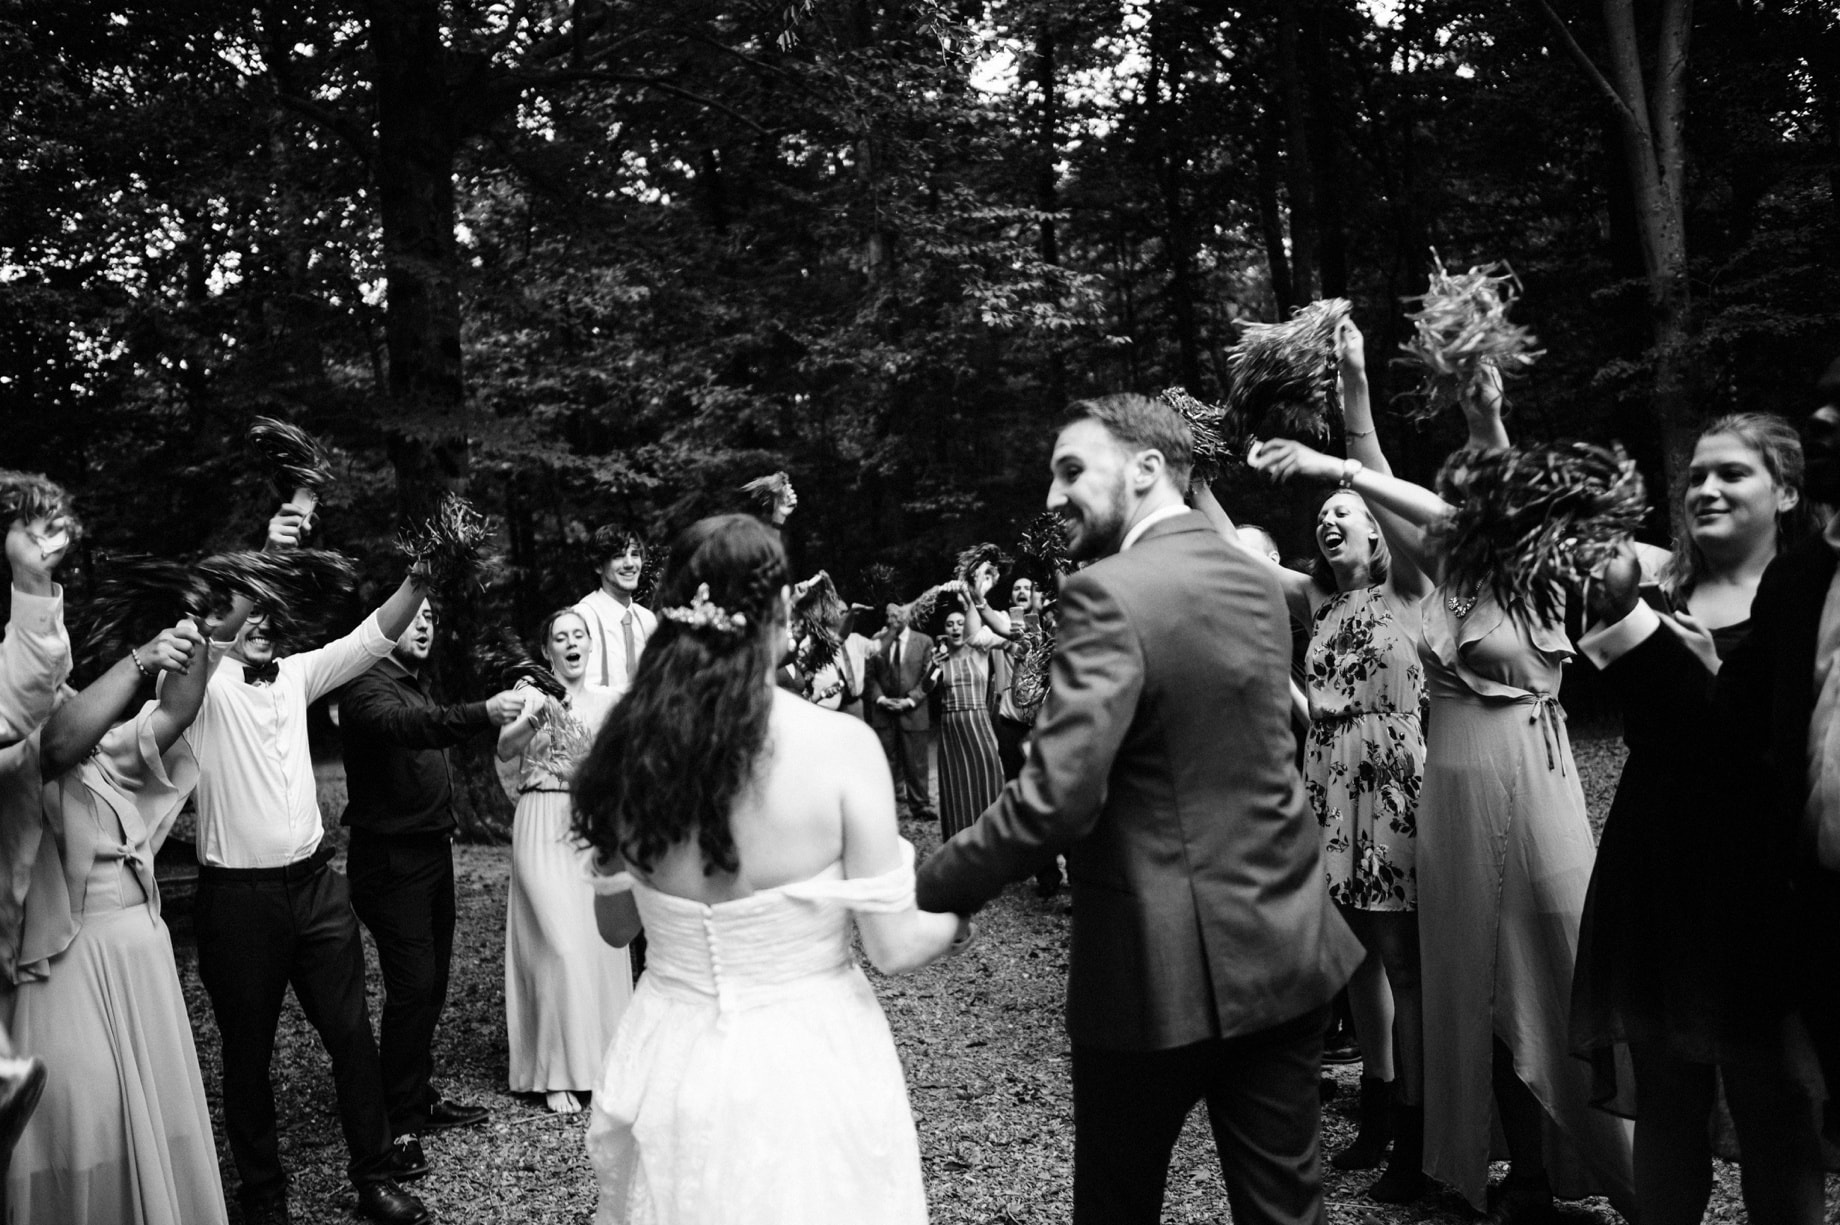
[704, 613]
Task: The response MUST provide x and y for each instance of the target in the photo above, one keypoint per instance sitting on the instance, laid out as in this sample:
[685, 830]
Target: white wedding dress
[754, 1080]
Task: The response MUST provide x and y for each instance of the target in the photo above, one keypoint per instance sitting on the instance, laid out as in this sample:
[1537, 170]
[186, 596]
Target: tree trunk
[1298, 174]
[1271, 216]
[427, 432]
[1048, 153]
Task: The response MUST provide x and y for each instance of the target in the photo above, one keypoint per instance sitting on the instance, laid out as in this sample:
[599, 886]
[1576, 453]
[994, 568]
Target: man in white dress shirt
[269, 909]
[619, 624]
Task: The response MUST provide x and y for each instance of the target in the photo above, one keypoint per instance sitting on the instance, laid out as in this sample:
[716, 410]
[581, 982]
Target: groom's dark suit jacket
[1162, 765]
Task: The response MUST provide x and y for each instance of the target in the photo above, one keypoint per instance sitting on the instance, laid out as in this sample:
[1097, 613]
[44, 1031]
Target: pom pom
[768, 490]
[1029, 683]
[447, 545]
[1533, 520]
[1283, 374]
[296, 590]
[136, 597]
[1218, 435]
[29, 497]
[502, 656]
[981, 554]
[1042, 550]
[1460, 328]
[294, 457]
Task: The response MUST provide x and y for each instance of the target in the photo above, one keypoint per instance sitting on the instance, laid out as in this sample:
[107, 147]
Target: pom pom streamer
[1461, 327]
[297, 590]
[299, 463]
[501, 656]
[447, 544]
[137, 597]
[1218, 435]
[1283, 374]
[1042, 549]
[1535, 520]
[30, 496]
[768, 490]
[977, 555]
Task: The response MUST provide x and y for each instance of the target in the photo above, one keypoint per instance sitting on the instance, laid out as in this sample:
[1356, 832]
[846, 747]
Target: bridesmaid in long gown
[1504, 859]
[565, 990]
[754, 1078]
[970, 769]
[122, 1135]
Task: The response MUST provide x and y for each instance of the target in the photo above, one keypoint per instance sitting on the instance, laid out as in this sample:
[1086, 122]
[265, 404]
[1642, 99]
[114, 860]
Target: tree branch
[1591, 70]
[341, 125]
[663, 85]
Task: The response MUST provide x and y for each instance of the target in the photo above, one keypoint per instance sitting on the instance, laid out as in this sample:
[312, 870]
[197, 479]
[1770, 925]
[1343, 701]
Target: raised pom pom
[1461, 328]
[448, 544]
[1283, 374]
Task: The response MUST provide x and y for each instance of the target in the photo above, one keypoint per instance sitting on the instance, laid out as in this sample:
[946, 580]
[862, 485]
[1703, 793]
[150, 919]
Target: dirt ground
[981, 1038]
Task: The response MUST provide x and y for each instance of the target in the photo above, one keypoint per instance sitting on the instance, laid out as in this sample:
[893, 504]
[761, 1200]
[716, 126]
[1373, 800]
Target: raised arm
[1299, 593]
[79, 724]
[1415, 505]
[900, 940]
[1408, 577]
[35, 654]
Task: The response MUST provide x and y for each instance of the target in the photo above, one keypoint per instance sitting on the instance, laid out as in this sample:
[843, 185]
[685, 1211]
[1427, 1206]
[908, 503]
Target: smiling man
[1205, 947]
[617, 622]
[401, 865]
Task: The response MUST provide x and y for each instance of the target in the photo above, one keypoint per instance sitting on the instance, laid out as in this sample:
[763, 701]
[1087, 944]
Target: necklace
[1460, 604]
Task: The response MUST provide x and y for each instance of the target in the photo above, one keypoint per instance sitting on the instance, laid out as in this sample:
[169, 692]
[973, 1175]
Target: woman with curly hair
[754, 1077]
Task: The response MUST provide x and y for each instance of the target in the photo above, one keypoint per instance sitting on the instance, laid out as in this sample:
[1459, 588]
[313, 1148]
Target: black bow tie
[262, 674]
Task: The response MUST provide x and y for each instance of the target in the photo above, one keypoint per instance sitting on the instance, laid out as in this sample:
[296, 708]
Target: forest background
[602, 262]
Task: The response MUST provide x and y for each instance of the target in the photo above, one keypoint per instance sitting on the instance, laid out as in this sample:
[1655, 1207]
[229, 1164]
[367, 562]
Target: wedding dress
[754, 1079]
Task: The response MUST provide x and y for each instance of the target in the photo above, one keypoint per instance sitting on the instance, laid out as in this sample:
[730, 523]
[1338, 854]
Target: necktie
[632, 655]
[262, 674]
[894, 659]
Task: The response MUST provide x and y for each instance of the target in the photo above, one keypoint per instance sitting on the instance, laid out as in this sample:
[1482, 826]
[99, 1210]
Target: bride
[754, 1076]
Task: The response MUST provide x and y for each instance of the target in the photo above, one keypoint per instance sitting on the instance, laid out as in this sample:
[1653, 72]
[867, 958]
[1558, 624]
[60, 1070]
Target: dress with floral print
[1365, 759]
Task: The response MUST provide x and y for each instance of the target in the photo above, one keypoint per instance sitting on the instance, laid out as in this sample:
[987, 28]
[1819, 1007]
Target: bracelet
[1358, 433]
[143, 669]
[1349, 468]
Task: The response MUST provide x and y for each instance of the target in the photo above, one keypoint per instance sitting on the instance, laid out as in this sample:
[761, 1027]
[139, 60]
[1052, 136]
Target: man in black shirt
[401, 866]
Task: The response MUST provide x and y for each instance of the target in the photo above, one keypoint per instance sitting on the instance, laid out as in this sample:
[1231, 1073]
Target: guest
[123, 1133]
[970, 775]
[564, 989]
[617, 623]
[903, 676]
[1673, 890]
[1363, 767]
[269, 909]
[1012, 719]
[34, 660]
[1205, 947]
[1504, 856]
[401, 866]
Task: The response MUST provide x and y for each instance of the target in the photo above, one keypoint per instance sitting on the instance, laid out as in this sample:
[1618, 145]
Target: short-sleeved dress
[1365, 759]
[1504, 859]
[123, 1134]
[565, 988]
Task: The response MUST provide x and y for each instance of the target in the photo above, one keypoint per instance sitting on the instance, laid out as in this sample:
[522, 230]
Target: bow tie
[261, 674]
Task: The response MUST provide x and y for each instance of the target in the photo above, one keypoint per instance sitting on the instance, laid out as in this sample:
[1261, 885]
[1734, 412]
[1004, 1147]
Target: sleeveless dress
[565, 988]
[1504, 859]
[1365, 759]
[970, 769]
[754, 1079]
[122, 1135]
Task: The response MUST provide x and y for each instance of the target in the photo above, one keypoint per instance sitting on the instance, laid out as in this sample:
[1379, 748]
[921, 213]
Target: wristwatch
[1350, 466]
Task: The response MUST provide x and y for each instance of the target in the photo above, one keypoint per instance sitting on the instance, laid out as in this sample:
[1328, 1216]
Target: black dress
[1658, 939]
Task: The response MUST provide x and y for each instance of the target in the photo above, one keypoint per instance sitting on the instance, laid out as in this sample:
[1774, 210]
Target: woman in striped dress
[970, 772]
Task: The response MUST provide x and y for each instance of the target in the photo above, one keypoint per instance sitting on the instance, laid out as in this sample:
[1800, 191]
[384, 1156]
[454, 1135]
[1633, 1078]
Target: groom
[1205, 948]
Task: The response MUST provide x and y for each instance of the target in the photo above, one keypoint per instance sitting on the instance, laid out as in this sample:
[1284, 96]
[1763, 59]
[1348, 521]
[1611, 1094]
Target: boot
[1376, 1131]
[1404, 1180]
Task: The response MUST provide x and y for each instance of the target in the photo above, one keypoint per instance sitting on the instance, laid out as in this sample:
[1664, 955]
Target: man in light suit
[1205, 949]
[901, 675]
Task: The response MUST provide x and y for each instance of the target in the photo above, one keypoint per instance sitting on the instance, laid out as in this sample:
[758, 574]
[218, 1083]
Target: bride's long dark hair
[684, 740]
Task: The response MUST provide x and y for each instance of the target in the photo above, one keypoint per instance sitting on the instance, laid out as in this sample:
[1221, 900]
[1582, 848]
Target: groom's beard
[1095, 535]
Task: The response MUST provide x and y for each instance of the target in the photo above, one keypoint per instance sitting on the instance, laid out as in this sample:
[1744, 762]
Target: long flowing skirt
[970, 771]
[122, 1134]
[565, 988]
[787, 1113]
[1504, 859]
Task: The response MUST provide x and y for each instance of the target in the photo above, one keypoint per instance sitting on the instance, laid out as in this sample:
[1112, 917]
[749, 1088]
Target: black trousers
[1264, 1104]
[913, 781]
[1011, 736]
[402, 887]
[255, 938]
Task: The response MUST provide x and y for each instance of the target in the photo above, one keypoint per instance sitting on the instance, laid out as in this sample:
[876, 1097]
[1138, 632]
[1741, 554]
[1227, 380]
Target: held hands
[171, 650]
[504, 707]
[1281, 459]
[1611, 595]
